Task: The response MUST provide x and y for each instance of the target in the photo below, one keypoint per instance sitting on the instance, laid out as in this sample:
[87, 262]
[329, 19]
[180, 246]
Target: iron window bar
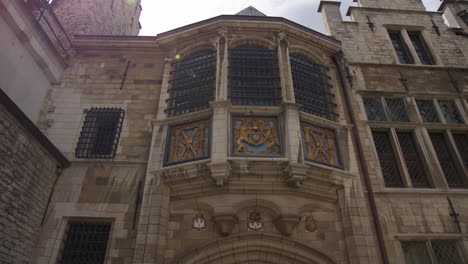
[100, 133]
[254, 76]
[192, 83]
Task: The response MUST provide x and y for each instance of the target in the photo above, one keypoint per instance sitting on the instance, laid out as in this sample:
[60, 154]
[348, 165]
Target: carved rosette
[320, 144]
[187, 142]
[256, 136]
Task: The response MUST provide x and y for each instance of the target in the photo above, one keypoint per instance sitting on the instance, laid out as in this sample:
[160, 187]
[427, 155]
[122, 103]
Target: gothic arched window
[311, 87]
[192, 83]
[254, 76]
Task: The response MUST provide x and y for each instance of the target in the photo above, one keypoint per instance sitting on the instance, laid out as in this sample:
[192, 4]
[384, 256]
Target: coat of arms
[310, 223]
[254, 221]
[199, 222]
[256, 136]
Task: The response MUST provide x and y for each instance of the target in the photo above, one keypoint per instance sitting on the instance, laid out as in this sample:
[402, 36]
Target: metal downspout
[337, 59]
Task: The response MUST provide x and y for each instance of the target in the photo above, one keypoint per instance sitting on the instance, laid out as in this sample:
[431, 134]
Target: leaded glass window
[387, 160]
[446, 252]
[412, 160]
[192, 83]
[311, 87]
[446, 160]
[461, 140]
[397, 110]
[400, 47]
[415, 252]
[374, 109]
[451, 113]
[100, 133]
[428, 111]
[421, 48]
[254, 76]
[86, 242]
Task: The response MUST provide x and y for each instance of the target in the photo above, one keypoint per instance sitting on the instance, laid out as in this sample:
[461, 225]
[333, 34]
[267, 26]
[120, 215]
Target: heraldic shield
[256, 136]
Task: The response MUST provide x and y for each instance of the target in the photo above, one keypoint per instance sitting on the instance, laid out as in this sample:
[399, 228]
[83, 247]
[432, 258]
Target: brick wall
[104, 17]
[27, 173]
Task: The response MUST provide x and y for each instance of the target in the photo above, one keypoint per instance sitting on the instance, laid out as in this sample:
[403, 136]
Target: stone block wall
[396, 4]
[27, 175]
[91, 17]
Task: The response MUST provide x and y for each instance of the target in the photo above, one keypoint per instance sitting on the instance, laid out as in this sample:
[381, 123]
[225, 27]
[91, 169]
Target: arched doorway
[253, 248]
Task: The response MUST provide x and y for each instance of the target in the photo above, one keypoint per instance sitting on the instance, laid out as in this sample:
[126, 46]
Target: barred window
[86, 242]
[442, 252]
[254, 76]
[100, 133]
[461, 140]
[452, 175]
[428, 111]
[311, 87]
[403, 54]
[421, 48]
[192, 83]
[387, 160]
[451, 113]
[397, 110]
[413, 160]
[374, 109]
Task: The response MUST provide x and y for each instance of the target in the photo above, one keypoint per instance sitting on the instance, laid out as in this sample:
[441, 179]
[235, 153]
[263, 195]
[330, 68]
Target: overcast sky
[160, 16]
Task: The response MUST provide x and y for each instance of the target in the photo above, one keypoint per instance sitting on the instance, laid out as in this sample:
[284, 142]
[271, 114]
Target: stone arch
[197, 47]
[309, 53]
[259, 248]
[257, 41]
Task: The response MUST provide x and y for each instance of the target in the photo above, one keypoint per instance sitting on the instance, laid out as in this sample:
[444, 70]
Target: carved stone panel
[187, 142]
[320, 144]
[256, 136]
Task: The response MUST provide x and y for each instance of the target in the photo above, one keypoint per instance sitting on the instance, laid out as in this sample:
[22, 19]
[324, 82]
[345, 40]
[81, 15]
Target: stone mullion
[285, 69]
[452, 146]
[222, 67]
[400, 159]
[164, 95]
[409, 44]
[433, 162]
[424, 155]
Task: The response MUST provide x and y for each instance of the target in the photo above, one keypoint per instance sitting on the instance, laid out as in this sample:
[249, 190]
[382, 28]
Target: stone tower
[103, 17]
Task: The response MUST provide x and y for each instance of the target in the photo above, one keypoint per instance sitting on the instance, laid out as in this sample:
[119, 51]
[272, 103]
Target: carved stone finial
[295, 174]
[287, 223]
[225, 223]
[220, 172]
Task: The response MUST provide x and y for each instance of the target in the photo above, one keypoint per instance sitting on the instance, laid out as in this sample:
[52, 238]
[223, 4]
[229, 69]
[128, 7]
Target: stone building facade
[252, 139]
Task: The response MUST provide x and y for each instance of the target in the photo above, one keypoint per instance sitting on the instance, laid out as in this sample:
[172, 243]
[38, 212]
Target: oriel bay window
[311, 87]
[192, 83]
[254, 76]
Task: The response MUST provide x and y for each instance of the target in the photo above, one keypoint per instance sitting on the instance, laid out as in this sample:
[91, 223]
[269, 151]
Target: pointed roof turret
[250, 11]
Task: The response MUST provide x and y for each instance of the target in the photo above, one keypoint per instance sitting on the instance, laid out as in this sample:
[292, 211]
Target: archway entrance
[258, 248]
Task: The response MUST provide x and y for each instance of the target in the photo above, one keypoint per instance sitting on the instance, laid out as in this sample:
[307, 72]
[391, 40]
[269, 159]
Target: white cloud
[159, 16]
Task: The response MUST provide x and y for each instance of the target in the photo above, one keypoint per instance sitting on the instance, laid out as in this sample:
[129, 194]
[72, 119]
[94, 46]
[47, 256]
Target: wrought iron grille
[452, 175]
[421, 48]
[461, 140]
[387, 159]
[415, 252]
[86, 242]
[311, 87]
[192, 84]
[450, 110]
[412, 160]
[397, 110]
[100, 133]
[400, 48]
[446, 252]
[428, 111]
[374, 109]
[254, 76]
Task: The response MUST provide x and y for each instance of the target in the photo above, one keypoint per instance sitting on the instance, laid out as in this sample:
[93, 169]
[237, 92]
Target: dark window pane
[387, 159]
[100, 133]
[412, 160]
[461, 140]
[453, 176]
[421, 48]
[254, 76]
[86, 243]
[400, 48]
[428, 111]
[311, 87]
[450, 110]
[415, 252]
[192, 84]
[446, 252]
[397, 110]
[374, 109]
